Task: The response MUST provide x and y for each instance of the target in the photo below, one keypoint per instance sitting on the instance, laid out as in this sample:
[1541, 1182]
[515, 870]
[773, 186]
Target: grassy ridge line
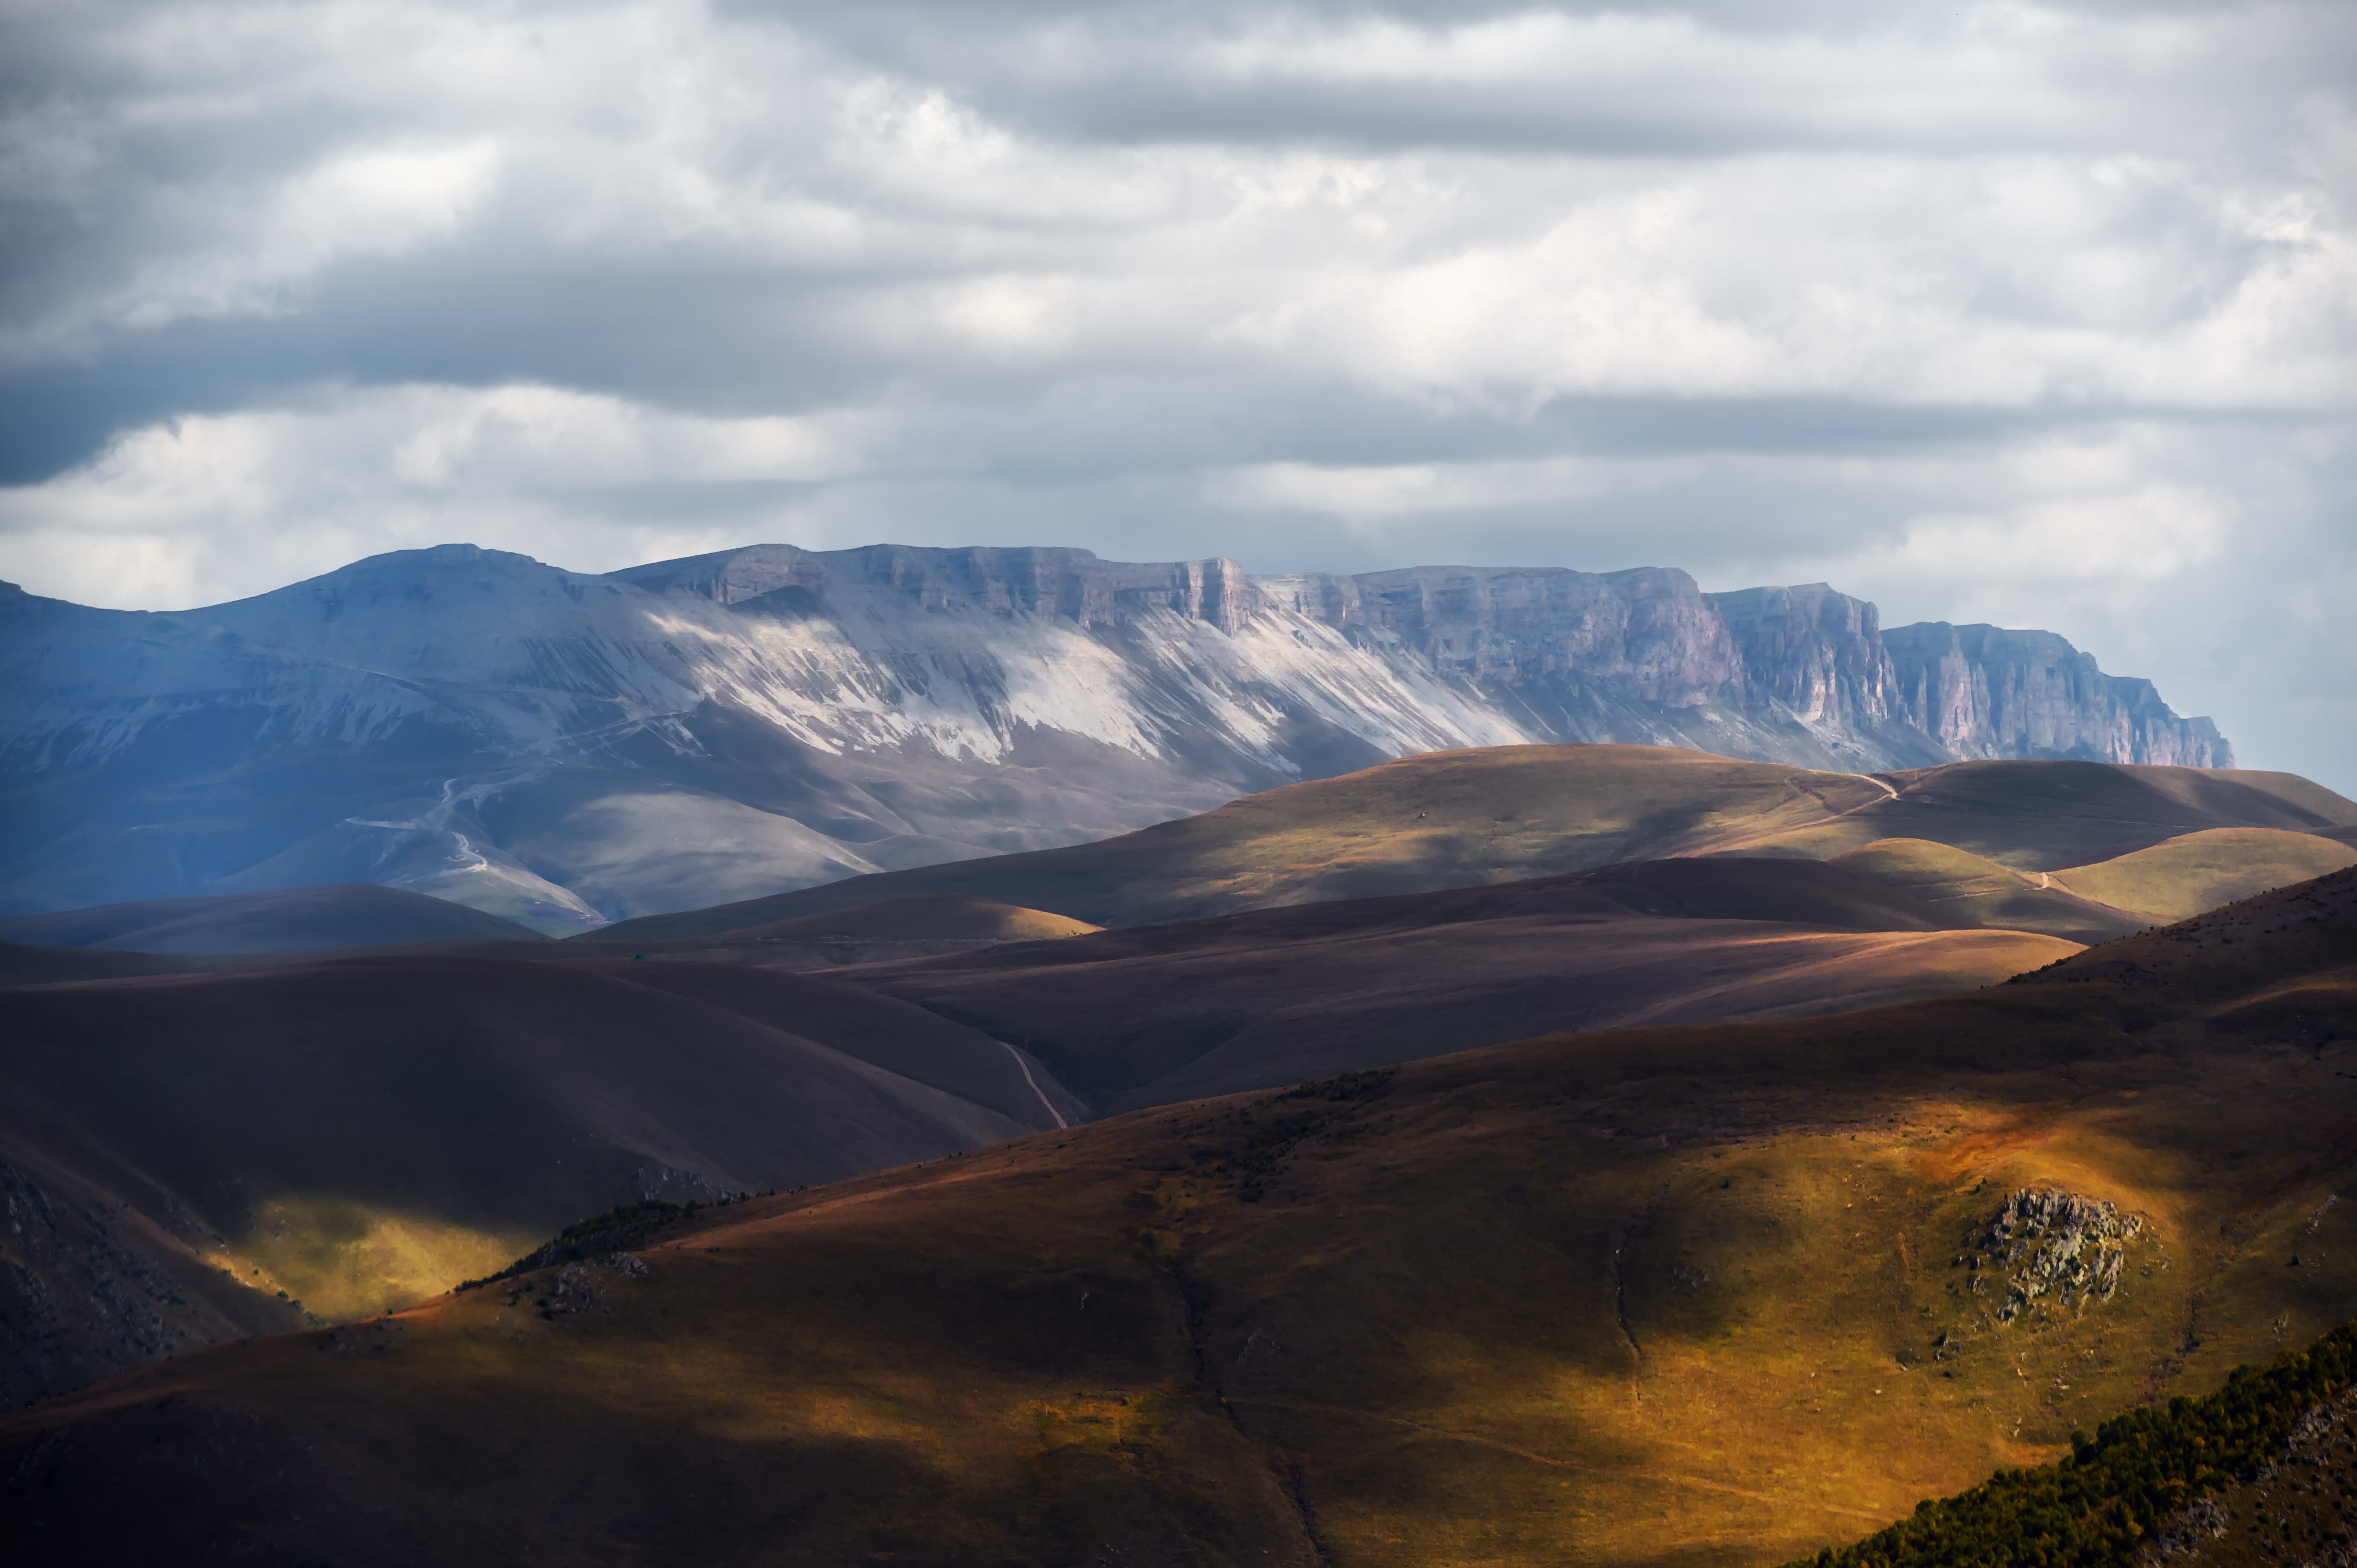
[2116, 1491]
[619, 1229]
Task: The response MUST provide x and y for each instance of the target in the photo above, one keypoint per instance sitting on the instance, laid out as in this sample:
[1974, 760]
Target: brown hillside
[293, 919]
[363, 1132]
[878, 1029]
[1670, 1295]
[2042, 816]
[2184, 876]
[43, 966]
[1459, 819]
[1447, 818]
[921, 925]
[1971, 890]
[1148, 1015]
[938, 918]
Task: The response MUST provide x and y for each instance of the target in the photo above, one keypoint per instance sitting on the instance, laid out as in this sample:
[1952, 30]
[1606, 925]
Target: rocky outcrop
[1986, 692]
[1070, 584]
[1648, 634]
[1558, 648]
[1817, 652]
[2051, 1251]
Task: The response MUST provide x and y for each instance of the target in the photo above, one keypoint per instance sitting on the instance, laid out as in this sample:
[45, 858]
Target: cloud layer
[2039, 314]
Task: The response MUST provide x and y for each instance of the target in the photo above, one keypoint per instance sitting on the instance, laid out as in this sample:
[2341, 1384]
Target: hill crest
[1506, 813]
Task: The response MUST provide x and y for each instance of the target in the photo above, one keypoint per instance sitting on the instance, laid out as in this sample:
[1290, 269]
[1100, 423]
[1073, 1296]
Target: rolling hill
[292, 919]
[1728, 1294]
[42, 966]
[1508, 813]
[939, 918]
[918, 927]
[1019, 1016]
[2184, 876]
[1977, 891]
[1150, 1014]
[353, 1133]
[262, 1112]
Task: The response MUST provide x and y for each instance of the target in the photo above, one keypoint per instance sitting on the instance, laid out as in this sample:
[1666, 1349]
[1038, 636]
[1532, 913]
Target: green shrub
[2118, 1488]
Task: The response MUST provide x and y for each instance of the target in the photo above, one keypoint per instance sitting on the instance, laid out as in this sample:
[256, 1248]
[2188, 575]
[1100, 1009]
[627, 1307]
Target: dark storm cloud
[2044, 314]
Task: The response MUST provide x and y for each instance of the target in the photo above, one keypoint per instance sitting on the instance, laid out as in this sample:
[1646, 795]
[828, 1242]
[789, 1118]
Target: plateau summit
[567, 749]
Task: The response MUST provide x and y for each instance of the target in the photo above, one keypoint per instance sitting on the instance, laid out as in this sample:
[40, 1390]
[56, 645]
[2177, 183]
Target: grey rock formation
[565, 749]
[1981, 691]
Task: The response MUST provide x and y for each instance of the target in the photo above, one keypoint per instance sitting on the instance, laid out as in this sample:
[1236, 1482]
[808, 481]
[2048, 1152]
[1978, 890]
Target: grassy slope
[1148, 1015]
[921, 925]
[1460, 818]
[880, 1030]
[1446, 819]
[1974, 890]
[363, 1133]
[1657, 1296]
[22, 965]
[293, 920]
[938, 917]
[2041, 816]
[2194, 872]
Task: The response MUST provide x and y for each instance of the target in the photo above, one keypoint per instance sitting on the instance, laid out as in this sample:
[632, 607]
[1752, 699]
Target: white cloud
[214, 507]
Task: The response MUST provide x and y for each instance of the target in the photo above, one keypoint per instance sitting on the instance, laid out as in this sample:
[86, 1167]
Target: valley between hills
[1592, 1154]
[1730, 1293]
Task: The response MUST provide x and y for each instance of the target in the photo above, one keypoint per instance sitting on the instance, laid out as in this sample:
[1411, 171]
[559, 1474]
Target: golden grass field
[1670, 1295]
[1988, 894]
[1453, 819]
[362, 1132]
[2184, 876]
[1151, 1014]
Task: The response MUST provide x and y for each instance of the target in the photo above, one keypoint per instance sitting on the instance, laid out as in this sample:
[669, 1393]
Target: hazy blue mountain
[562, 748]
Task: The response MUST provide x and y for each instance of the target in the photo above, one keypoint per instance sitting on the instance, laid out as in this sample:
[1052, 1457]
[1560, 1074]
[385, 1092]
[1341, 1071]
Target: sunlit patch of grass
[1639, 1297]
[1746, 1349]
[343, 1258]
[2194, 872]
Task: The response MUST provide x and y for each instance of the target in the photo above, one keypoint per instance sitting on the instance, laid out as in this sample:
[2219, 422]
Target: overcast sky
[2043, 314]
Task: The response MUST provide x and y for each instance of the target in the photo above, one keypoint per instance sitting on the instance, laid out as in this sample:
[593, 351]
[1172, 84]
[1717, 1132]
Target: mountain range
[567, 750]
[1116, 1007]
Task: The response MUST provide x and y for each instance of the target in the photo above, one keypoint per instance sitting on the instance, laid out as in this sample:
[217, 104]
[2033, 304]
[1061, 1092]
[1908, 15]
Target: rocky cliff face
[1647, 634]
[1817, 652]
[1985, 692]
[1070, 585]
[564, 748]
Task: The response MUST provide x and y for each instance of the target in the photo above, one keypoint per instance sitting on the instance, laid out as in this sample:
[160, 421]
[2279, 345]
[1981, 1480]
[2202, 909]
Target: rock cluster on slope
[2055, 1248]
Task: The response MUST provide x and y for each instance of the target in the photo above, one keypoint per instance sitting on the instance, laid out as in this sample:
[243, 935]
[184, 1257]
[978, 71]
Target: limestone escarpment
[1649, 633]
[1818, 653]
[1072, 584]
[563, 748]
[1571, 654]
[1987, 691]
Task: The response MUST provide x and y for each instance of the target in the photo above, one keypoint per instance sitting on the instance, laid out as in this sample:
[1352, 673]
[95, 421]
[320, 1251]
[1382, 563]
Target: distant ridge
[563, 750]
[1501, 813]
[293, 920]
